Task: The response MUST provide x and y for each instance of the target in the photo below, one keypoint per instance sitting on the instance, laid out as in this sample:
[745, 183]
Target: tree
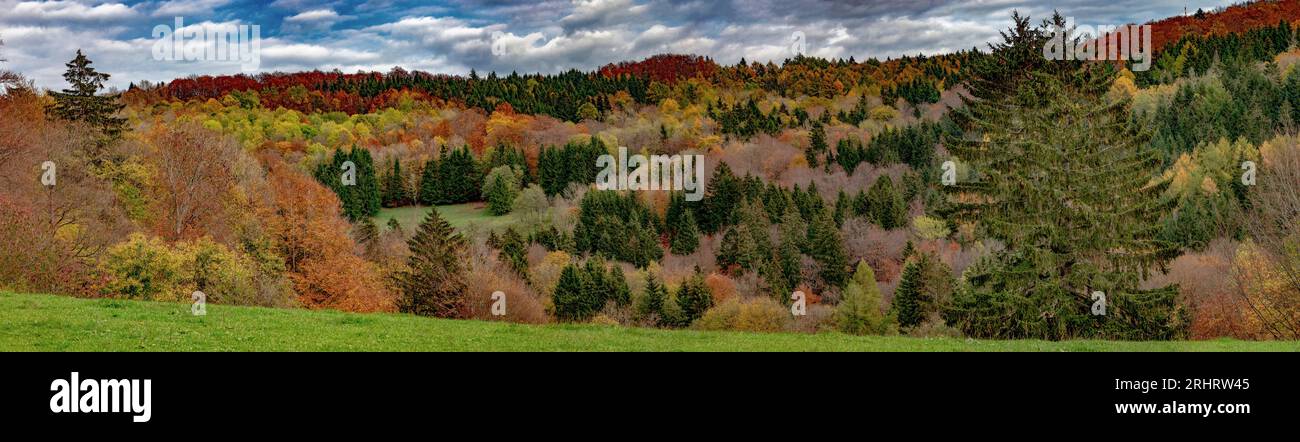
[430, 188]
[886, 205]
[907, 297]
[694, 298]
[650, 306]
[816, 144]
[686, 237]
[395, 194]
[82, 103]
[501, 187]
[826, 246]
[433, 284]
[860, 311]
[192, 176]
[1066, 181]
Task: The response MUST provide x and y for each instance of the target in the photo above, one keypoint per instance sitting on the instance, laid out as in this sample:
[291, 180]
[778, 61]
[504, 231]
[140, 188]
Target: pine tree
[367, 196]
[433, 284]
[720, 198]
[694, 298]
[1066, 181]
[686, 236]
[395, 194]
[82, 103]
[826, 246]
[816, 143]
[651, 303]
[907, 297]
[571, 297]
[888, 210]
[430, 189]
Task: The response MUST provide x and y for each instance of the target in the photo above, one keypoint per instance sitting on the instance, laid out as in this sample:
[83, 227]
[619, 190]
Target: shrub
[760, 314]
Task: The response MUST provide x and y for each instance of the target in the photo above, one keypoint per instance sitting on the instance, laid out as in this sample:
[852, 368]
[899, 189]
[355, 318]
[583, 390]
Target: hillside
[56, 323]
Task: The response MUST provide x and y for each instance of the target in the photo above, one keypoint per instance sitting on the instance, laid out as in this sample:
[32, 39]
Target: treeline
[451, 176]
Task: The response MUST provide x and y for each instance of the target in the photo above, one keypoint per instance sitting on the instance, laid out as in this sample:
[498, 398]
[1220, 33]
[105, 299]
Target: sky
[457, 36]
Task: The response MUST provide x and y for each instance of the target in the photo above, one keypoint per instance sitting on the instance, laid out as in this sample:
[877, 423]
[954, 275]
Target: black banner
[231, 392]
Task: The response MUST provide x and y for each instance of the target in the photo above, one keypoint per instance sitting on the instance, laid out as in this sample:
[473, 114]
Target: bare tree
[194, 173]
[1275, 227]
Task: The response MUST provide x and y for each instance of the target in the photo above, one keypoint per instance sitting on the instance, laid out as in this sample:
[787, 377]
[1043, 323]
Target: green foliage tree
[501, 187]
[1065, 181]
[395, 194]
[433, 282]
[860, 311]
[826, 246]
[82, 103]
[694, 298]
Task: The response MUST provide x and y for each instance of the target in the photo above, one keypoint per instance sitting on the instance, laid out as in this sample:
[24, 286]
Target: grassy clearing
[459, 215]
[57, 323]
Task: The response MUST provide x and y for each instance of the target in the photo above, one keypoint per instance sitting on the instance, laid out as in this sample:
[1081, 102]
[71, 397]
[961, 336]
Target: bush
[760, 314]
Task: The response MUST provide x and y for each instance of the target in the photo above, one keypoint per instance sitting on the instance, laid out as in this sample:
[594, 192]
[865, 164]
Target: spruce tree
[395, 194]
[82, 103]
[430, 189]
[694, 298]
[433, 282]
[1065, 179]
[686, 236]
[907, 297]
[651, 304]
[570, 296]
[826, 246]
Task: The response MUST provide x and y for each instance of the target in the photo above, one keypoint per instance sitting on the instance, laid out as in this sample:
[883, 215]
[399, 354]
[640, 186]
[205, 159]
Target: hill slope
[55, 323]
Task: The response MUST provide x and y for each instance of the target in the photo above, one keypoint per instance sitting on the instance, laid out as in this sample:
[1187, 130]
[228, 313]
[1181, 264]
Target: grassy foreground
[459, 216]
[57, 323]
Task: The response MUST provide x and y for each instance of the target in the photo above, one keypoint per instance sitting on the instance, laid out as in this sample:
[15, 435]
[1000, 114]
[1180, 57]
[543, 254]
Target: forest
[988, 193]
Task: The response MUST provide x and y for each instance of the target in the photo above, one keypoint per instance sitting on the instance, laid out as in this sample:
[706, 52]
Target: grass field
[459, 215]
[57, 323]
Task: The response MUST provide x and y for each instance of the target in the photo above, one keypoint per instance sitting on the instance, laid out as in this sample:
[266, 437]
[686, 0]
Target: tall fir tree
[82, 103]
[395, 194]
[433, 282]
[1065, 179]
[826, 246]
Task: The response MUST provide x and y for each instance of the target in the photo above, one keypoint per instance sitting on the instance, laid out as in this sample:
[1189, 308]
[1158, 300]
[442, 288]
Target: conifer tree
[430, 189]
[906, 305]
[395, 194]
[694, 298]
[826, 246]
[860, 311]
[1065, 179]
[433, 282]
[651, 303]
[686, 236]
[82, 102]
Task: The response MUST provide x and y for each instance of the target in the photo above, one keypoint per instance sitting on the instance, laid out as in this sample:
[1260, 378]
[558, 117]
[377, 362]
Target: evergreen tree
[395, 194]
[651, 304]
[816, 143]
[82, 103]
[1064, 178]
[694, 298]
[686, 236]
[368, 198]
[430, 189]
[720, 198]
[826, 246]
[907, 297]
[571, 299]
[888, 210]
[433, 282]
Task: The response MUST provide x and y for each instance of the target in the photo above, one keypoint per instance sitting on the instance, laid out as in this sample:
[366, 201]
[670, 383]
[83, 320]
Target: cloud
[177, 8]
[455, 36]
